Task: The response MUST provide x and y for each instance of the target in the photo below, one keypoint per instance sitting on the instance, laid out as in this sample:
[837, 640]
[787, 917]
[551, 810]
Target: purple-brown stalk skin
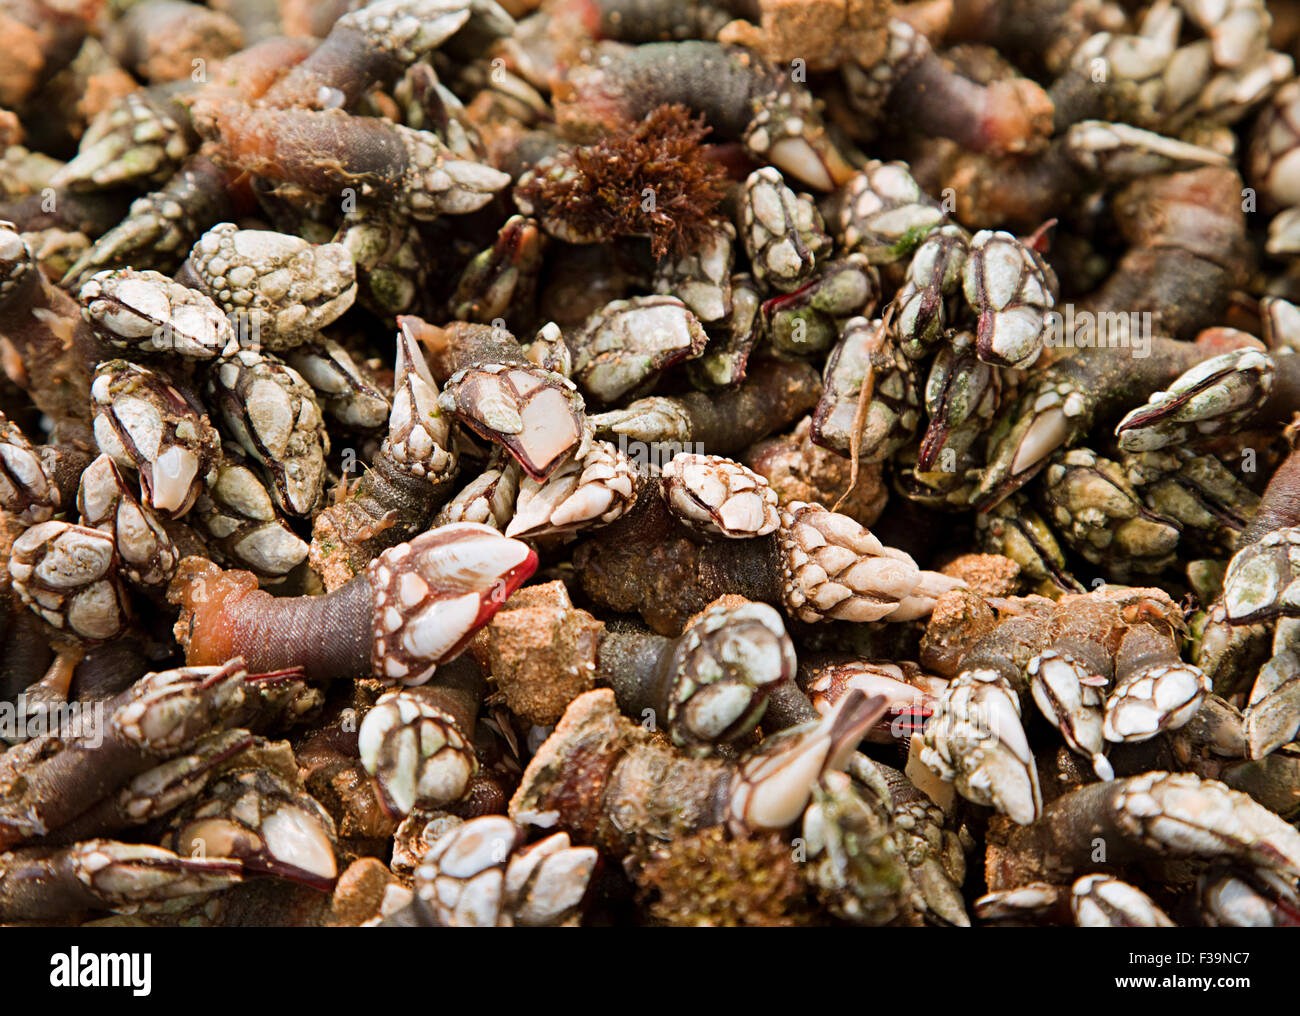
[224, 615]
[1280, 506]
[646, 563]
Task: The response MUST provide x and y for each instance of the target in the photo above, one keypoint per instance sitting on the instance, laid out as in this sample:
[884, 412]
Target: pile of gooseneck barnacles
[688, 462]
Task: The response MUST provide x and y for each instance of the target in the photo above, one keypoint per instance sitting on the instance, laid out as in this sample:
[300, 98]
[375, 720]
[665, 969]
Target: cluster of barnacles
[531, 463]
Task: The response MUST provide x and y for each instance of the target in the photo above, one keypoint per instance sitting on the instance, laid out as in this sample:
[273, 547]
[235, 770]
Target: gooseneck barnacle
[417, 606]
[697, 462]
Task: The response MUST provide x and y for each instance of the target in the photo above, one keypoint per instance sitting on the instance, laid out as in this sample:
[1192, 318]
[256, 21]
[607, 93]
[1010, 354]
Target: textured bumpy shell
[26, 489]
[149, 313]
[583, 493]
[136, 140]
[147, 555]
[432, 594]
[239, 516]
[724, 667]
[67, 574]
[782, 232]
[480, 875]
[419, 433]
[833, 568]
[719, 497]
[627, 342]
[274, 415]
[145, 424]
[536, 415]
[977, 741]
[418, 756]
[1007, 285]
[867, 357]
[1263, 579]
[271, 826]
[884, 213]
[280, 290]
[696, 716]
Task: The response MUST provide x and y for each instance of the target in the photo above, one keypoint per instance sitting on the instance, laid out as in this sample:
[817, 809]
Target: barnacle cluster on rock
[553, 461]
